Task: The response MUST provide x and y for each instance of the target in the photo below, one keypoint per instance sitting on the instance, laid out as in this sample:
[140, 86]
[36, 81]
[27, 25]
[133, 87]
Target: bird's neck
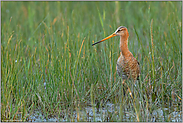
[124, 46]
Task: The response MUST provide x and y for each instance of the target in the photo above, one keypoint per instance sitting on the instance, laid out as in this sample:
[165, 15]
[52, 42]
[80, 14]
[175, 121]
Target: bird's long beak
[110, 36]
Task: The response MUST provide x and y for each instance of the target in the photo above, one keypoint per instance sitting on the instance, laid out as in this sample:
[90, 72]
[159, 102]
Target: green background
[47, 60]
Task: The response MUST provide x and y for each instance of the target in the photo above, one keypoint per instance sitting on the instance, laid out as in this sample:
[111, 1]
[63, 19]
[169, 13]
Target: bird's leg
[135, 83]
[124, 83]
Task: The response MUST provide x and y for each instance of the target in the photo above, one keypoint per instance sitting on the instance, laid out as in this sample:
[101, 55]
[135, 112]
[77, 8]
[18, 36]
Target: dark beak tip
[95, 43]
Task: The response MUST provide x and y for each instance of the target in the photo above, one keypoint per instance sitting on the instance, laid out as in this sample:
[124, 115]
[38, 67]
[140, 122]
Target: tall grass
[47, 60]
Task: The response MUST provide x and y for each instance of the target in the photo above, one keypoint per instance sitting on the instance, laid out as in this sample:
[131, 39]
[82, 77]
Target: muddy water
[101, 115]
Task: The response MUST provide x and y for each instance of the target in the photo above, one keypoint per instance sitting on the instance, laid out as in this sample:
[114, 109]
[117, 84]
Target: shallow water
[101, 115]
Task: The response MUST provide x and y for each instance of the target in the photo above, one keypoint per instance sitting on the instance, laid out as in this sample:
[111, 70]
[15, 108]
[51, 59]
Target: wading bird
[127, 66]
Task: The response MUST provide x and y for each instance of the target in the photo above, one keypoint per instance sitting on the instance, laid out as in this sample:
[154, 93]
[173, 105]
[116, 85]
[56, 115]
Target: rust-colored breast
[128, 67]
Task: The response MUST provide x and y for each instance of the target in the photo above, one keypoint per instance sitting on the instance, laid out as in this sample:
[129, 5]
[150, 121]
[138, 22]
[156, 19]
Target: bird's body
[127, 66]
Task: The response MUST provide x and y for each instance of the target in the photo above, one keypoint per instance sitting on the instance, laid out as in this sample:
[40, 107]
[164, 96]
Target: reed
[48, 63]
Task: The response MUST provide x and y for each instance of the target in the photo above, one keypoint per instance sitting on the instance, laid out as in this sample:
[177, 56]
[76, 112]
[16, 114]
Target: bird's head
[121, 31]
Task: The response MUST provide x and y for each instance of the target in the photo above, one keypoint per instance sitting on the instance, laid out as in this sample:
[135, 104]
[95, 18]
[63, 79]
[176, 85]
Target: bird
[127, 65]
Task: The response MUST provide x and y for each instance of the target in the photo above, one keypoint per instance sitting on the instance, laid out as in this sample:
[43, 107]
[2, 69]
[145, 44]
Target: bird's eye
[119, 30]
